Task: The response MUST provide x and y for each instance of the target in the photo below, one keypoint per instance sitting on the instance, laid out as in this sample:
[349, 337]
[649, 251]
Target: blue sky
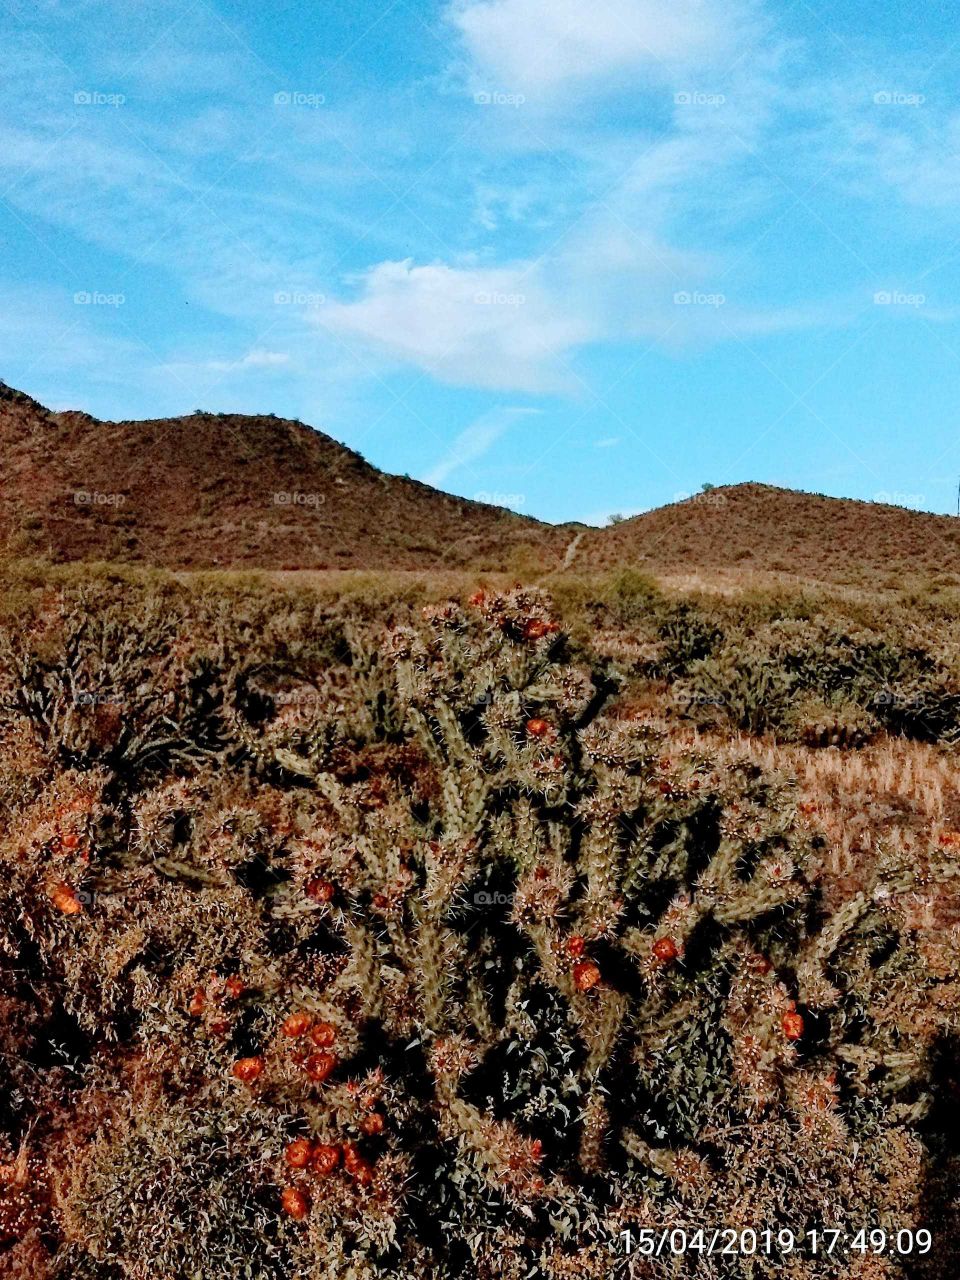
[573, 256]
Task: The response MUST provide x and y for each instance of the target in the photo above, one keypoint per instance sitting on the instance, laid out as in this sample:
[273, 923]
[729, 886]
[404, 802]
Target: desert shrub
[445, 972]
[831, 722]
[686, 636]
[742, 686]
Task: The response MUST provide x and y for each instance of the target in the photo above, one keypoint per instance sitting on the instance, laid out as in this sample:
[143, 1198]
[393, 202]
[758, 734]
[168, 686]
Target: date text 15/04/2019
[743, 1242]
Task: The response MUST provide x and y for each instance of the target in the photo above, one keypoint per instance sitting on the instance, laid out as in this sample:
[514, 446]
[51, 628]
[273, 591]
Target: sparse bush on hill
[341, 944]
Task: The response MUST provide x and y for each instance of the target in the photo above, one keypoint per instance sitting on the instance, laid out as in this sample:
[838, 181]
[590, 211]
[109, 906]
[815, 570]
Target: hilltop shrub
[440, 971]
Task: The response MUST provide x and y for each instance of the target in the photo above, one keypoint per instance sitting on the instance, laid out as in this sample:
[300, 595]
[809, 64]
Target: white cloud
[540, 46]
[257, 359]
[264, 359]
[475, 441]
[520, 328]
[484, 327]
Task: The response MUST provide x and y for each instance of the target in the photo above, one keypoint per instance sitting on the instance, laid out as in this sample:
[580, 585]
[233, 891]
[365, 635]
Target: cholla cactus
[480, 985]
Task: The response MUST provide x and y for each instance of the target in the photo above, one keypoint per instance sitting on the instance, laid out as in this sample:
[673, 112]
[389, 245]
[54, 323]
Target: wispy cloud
[475, 441]
[544, 46]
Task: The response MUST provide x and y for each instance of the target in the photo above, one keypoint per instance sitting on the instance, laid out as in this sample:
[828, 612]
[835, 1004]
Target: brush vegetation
[399, 927]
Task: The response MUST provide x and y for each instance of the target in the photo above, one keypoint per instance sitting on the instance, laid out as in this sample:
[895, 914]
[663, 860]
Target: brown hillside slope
[755, 528]
[240, 491]
[233, 490]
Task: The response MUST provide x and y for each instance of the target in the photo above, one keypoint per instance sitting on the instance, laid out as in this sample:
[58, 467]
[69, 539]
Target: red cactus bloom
[792, 1024]
[356, 1165]
[351, 1156]
[538, 728]
[197, 1002]
[478, 598]
[535, 629]
[295, 1203]
[323, 1035]
[248, 1069]
[372, 1124]
[536, 1148]
[64, 898]
[296, 1024]
[666, 950]
[325, 1159]
[234, 987]
[586, 975]
[70, 840]
[576, 945]
[320, 1066]
[298, 1153]
[320, 890]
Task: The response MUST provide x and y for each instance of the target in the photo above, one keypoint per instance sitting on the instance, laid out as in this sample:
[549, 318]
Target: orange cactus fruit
[356, 1165]
[320, 1066]
[297, 1024]
[372, 1124]
[65, 899]
[197, 1003]
[576, 945]
[295, 1203]
[326, 1158]
[535, 629]
[234, 987]
[299, 1153]
[586, 975]
[538, 728]
[323, 1035]
[248, 1069]
[792, 1024]
[320, 890]
[665, 950]
[351, 1156]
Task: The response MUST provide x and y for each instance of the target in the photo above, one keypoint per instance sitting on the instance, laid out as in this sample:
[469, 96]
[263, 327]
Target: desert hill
[212, 490]
[233, 490]
[757, 528]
